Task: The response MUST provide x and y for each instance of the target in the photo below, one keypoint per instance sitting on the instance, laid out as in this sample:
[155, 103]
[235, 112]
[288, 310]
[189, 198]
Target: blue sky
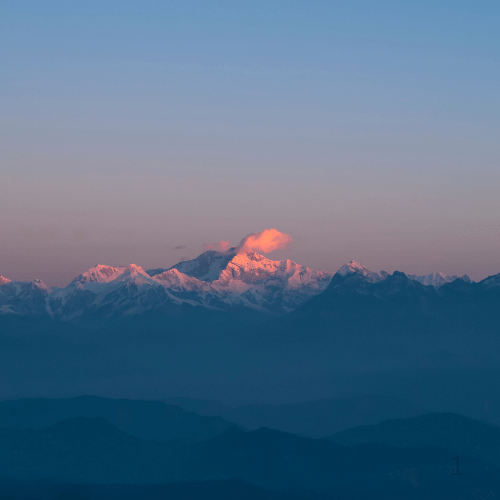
[367, 130]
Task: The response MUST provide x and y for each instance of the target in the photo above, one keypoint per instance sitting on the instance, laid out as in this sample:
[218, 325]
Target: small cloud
[266, 241]
[180, 247]
[218, 246]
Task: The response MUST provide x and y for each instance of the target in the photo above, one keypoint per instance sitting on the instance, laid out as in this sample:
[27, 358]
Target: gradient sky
[367, 130]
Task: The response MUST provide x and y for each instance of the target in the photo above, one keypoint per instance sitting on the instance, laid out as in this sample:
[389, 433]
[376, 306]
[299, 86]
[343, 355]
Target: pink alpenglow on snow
[264, 242]
[218, 246]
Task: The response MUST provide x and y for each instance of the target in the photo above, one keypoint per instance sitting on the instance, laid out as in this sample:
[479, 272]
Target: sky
[137, 132]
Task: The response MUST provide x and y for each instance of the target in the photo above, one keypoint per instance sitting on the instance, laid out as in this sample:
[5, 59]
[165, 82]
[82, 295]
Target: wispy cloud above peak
[266, 241]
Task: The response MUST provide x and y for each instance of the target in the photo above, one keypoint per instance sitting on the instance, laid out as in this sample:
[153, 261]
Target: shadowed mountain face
[461, 435]
[86, 450]
[206, 267]
[392, 335]
[151, 420]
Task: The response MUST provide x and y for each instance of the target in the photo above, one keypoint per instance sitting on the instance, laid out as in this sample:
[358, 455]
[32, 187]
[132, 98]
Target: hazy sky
[367, 130]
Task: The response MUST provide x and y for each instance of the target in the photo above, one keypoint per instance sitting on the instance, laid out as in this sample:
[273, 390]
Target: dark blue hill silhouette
[152, 420]
[231, 489]
[84, 450]
[462, 435]
[276, 459]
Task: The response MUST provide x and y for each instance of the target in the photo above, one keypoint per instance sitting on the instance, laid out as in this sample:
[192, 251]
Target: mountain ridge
[448, 430]
[225, 281]
[149, 420]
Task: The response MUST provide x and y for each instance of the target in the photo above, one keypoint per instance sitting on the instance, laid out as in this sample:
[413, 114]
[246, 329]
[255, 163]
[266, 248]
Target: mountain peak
[438, 279]
[350, 267]
[251, 258]
[354, 267]
[491, 281]
[3, 280]
[134, 269]
[105, 274]
[174, 279]
[99, 274]
[206, 267]
[245, 277]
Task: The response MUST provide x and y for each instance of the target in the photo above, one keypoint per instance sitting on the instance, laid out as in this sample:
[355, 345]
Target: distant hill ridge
[151, 420]
[312, 418]
[91, 450]
[462, 435]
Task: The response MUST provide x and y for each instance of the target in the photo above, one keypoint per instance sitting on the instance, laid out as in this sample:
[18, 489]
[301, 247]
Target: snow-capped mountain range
[224, 281]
